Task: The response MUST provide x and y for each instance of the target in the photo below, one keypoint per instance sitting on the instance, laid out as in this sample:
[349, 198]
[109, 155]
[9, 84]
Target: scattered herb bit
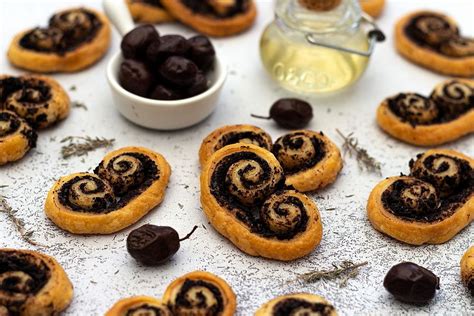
[365, 161]
[80, 146]
[180, 205]
[330, 209]
[79, 105]
[52, 139]
[350, 195]
[2, 186]
[18, 223]
[346, 270]
[72, 88]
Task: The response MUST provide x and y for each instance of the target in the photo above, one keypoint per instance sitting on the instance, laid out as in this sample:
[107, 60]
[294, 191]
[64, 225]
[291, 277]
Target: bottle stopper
[319, 5]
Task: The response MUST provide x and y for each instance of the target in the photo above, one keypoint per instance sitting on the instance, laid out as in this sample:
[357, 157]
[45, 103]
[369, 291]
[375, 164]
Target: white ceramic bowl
[162, 114]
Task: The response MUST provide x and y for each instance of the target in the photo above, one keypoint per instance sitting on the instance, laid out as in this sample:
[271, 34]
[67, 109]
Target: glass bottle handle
[375, 35]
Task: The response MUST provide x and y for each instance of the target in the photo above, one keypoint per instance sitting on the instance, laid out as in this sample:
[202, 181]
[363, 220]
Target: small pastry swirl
[16, 137]
[433, 40]
[213, 17]
[432, 29]
[201, 294]
[74, 39]
[467, 269]
[297, 304]
[32, 284]
[38, 99]
[454, 98]
[139, 306]
[244, 196]
[310, 159]
[233, 134]
[446, 115]
[127, 184]
[148, 11]
[431, 205]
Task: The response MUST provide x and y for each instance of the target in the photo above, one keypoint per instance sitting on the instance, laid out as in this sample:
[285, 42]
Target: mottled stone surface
[100, 267]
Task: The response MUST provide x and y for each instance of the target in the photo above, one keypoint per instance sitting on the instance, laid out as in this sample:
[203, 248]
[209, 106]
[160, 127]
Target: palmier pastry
[126, 185]
[74, 39]
[32, 283]
[200, 293]
[310, 159]
[446, 115]
[16, 137]
[214, 17]
[232, 134]
[372, 7]
[433, 41]
[297, 304]
[244, 197]
[431, 205]
[40, 100]
[139, 306]
[467, 269]
[148, 11]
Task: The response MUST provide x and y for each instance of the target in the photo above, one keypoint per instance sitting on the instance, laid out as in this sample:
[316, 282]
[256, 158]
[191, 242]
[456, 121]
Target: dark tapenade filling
[65, 41]
[236, 137]
[470, 285]
[37, 270]
[182, 298]
[435, 210]
[205, 8]
[295, 144]
[292, 305]
[13, 124]
[145, 307]
[249, 215]
[109, 204]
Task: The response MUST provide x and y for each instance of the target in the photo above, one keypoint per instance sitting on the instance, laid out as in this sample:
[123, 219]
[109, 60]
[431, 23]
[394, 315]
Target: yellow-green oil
[305, 68]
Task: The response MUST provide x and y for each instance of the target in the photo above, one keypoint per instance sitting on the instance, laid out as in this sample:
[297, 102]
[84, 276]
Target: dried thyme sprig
[79, 105]
[18, 223]
[80, 146]
[346, 270]
[365, 161]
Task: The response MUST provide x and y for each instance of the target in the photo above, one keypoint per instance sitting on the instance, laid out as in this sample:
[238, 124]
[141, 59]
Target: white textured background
[101, 269]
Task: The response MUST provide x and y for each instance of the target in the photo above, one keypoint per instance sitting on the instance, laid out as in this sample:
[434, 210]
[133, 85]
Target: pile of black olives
[167, 67]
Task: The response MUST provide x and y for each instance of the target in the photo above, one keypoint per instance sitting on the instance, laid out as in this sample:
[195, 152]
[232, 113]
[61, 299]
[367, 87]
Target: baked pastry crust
[138, 304]
[424, 55]
[372, 7]
[430, 213]
[128, 183]
[231, 134]
[428, 134]
[40, 100]
[208, 284]
[297, 304]
[147, 13]
[227, 201]
[209, 24]
[16, 137]
[467, 269]
[80, 57]
[47, 291]
[311, 161]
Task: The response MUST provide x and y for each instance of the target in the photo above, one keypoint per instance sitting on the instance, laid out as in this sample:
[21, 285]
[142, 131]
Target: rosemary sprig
[79, 105]
[18, 223]
[346, 270]
[80, 146]
[365, 161]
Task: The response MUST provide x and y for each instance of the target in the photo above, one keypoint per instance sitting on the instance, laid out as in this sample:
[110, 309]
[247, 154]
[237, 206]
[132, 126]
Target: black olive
[201, 51]
[135, 77]
[152, 245]
[168, 45]
[290, 113]
[179, 71]
[162, 92]
[135, 43]
[410, 283]
[198, 86]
